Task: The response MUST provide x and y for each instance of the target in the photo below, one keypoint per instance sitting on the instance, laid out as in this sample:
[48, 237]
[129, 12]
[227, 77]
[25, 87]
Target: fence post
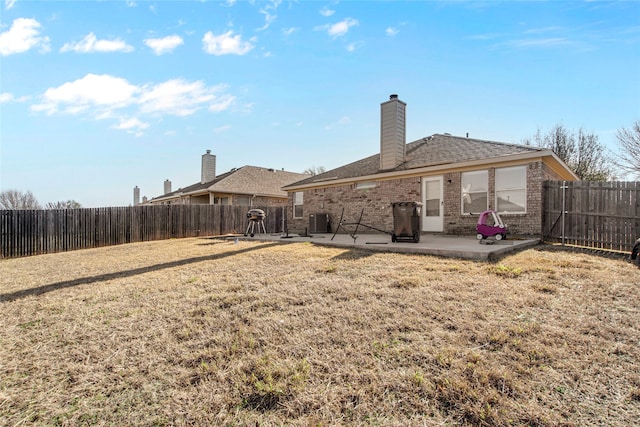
[564, 209]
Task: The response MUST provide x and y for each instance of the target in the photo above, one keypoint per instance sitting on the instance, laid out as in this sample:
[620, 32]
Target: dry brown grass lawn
[207, 332]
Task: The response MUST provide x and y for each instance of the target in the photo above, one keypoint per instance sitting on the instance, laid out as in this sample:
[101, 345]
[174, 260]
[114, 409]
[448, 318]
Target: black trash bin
[406, 221]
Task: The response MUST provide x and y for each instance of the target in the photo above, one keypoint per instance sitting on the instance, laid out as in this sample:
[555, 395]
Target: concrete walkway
[467, 247]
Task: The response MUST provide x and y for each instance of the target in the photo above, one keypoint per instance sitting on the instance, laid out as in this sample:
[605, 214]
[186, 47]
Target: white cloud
[221, 103]
[105, 97]
[222, 129]
[90, 44]
[269, 17]
[341, 28]
[101, 92]
[23, 35]
[5, 97]
[226, 44]
[131, 3]
[165, 44]
[533, 42]
[487, 36]
[246, 108]
[8, 4]
[351, 47]
[325, 11]
[342, 121]
[289, 31]
[390, 31]
[541, 30]
[131, 124]
[176, 97]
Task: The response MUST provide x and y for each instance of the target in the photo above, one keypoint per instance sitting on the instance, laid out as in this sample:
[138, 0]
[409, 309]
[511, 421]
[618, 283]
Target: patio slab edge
[444, 246]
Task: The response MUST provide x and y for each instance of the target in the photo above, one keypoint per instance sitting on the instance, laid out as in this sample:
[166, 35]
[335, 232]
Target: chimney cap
[393, 96]
[208, 151]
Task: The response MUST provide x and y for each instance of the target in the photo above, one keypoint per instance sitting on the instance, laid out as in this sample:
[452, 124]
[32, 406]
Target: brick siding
[378, 214]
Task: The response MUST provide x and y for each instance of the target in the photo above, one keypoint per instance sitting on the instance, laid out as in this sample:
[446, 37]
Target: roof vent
[393, 96]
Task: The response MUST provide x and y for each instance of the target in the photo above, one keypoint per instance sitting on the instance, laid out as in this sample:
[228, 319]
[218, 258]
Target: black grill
[256, 219]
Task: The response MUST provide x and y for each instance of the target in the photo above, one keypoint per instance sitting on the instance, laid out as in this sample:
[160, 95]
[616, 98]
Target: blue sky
[98, 97]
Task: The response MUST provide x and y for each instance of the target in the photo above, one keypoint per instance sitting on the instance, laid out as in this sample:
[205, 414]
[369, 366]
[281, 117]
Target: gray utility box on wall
[319, 223]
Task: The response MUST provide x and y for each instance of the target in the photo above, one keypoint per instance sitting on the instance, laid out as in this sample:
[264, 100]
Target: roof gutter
[557, 165]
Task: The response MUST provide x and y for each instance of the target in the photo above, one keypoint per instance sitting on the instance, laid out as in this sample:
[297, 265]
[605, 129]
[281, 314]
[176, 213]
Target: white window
[366, 185]
[511, 189]
[242, 200]
[475, 187]
[297, 204]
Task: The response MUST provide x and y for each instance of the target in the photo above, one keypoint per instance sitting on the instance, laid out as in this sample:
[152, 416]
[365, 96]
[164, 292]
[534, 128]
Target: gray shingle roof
[244, 180]
[435, 150]
[256, 180]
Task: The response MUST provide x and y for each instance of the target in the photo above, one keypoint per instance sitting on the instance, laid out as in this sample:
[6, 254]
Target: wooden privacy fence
[601, 215]
[32, 232]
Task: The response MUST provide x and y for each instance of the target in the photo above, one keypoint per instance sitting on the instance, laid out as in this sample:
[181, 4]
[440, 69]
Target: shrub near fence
[32, 232]
[601, 215]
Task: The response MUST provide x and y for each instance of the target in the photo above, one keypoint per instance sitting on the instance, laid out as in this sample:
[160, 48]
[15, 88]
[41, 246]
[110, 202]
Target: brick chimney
[167, 186]
[208, 167]
[392, 133]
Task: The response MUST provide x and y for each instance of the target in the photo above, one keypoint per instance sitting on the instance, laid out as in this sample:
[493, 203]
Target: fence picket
[32, 232]
[602, 215]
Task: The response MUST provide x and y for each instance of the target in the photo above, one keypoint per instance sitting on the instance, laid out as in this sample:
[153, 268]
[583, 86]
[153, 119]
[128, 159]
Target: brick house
[243, 186]
[455, 179]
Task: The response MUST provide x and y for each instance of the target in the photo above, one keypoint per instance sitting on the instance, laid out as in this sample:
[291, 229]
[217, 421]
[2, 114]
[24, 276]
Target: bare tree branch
[67, 204]
[14, 199]
[629, 144]
[314, 170]
[582, 152]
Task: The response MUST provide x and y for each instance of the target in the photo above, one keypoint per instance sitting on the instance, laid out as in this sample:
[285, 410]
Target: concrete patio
[467, 247]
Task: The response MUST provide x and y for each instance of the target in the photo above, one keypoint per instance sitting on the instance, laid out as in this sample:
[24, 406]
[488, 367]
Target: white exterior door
[432, 204]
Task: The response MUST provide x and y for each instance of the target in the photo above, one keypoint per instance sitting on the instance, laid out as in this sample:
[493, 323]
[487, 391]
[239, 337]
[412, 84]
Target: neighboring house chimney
[136, 196]
[392, 133]
[167, 186]
[208, 167]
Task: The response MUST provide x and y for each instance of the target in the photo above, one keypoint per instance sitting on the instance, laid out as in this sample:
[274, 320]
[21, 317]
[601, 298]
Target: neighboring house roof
[436, 152]
[246, 180]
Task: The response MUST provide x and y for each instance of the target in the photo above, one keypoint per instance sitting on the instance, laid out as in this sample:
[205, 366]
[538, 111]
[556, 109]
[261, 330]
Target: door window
[432, 202]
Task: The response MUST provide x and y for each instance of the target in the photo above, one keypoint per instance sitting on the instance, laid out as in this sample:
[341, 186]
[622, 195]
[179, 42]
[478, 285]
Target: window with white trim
[475, 188]
[366, 185]
[242, 200]
[297, 204]
[511, 189]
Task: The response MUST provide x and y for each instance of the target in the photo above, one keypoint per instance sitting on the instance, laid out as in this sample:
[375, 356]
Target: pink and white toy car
[490, 225]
